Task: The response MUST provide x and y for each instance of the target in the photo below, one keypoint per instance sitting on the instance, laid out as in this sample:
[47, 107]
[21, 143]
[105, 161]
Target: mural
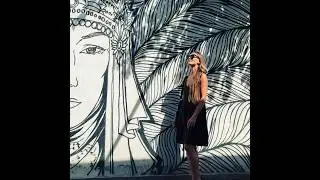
[127, 64]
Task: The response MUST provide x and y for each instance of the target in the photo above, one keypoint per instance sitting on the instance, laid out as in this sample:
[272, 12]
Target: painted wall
[127, 63]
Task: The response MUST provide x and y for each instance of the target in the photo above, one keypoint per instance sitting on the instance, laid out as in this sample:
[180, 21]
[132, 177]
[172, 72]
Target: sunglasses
[192, 56]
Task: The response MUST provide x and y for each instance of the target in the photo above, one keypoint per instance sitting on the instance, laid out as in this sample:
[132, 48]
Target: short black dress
[198, 134]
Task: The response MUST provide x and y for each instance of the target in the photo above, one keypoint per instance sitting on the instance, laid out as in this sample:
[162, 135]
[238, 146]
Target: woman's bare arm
[204, 95]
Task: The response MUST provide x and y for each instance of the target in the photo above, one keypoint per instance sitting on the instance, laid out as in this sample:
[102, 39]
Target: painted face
[193, 60]
[89, 56]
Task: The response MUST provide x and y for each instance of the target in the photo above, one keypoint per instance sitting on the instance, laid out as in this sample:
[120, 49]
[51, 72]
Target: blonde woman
[192, 130]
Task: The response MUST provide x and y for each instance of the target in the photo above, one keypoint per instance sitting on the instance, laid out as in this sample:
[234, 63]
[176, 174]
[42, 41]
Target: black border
[280, 93]
[264, 72]
[35, 86]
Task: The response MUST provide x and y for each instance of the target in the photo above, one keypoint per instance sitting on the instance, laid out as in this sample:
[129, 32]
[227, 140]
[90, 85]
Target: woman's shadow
[169, 151]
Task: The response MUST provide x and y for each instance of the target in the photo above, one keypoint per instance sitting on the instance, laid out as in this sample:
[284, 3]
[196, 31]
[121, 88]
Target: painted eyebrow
[91, 35]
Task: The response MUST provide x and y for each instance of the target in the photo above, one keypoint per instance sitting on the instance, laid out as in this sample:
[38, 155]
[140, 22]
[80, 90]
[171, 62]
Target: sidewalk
[219, 176]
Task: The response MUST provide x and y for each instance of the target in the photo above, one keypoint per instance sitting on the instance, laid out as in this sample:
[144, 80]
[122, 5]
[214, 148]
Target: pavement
[217, 176]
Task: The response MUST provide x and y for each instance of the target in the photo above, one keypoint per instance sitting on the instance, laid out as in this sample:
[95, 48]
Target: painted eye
[93, 50]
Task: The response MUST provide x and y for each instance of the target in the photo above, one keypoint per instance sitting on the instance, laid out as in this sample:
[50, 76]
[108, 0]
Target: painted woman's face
[89, 55]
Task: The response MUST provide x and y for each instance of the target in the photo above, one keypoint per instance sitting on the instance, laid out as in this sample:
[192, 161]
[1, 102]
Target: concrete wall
[127, 63]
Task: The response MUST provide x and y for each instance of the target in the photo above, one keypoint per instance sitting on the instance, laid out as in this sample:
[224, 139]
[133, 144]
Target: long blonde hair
[193, 81]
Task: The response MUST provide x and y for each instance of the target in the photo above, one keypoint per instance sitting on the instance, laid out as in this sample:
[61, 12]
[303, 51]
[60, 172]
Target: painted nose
[73, 76]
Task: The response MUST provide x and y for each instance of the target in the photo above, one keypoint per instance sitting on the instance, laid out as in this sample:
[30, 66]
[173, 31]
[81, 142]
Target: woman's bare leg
[192, 156]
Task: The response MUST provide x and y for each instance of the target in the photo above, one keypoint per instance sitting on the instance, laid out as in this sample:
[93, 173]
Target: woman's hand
[191, 122]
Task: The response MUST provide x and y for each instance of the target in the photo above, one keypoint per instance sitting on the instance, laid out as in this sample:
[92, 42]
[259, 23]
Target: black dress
[198, 134]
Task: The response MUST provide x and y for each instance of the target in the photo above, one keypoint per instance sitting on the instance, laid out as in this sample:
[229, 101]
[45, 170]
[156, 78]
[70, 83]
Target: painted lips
[74, 103]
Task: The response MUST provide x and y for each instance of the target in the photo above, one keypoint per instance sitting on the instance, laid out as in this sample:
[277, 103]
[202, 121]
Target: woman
[192, 130]
[105, 102]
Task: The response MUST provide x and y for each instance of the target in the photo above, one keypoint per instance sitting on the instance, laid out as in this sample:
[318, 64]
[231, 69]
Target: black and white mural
[127, 63]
